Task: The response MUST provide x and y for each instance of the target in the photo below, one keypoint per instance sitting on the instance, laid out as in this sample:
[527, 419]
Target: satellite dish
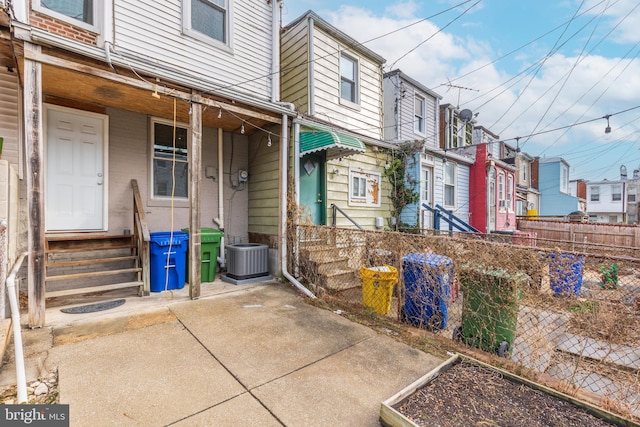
[466, 115]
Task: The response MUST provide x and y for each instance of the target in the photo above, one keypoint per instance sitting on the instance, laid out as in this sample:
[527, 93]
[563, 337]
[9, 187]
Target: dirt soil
[471, 395]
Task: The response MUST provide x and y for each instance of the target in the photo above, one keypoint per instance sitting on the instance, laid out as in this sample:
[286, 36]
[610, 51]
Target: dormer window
[348, 78]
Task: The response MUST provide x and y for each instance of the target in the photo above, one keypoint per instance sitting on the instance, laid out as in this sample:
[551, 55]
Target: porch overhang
[336, 144]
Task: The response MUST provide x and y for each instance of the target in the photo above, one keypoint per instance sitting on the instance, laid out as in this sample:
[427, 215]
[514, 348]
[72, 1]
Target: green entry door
[312, 193]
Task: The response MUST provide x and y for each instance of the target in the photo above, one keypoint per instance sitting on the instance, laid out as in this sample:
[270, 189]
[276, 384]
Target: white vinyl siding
[407, 116]
[154, 30]
[367, 117]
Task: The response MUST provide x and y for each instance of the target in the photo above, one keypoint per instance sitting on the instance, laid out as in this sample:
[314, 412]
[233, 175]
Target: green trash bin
[489, 308]
[210, 239]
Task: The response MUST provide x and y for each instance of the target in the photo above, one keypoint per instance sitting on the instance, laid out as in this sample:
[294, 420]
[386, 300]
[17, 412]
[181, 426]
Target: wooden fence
[619, 236]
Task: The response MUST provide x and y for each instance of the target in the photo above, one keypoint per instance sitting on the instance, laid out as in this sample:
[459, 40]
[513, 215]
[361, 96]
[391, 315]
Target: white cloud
[521, 105]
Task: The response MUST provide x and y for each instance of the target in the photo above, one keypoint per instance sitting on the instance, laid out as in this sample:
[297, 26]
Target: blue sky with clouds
[552, 70]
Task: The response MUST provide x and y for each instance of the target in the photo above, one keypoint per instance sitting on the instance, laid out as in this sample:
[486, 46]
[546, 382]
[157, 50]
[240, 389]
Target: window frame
[427, 184]
[510, 192]
[564, 178]
[187, 27]
[158, 200]
[593, 193]
[355, 82]
[420, 120]
[371, 179]
[94, 27]
[447, 184]
[616, 190]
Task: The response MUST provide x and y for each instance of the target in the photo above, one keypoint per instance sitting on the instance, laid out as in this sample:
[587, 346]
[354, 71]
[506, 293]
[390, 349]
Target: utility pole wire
[434, 34]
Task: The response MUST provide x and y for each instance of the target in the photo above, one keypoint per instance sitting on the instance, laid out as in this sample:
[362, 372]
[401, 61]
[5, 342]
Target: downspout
[21, 378]
[283, 208]
[220, 219]
[311, 85]
[107, 30]
[275, 57]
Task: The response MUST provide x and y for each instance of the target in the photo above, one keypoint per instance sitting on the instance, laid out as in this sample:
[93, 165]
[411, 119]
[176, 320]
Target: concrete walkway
[255, 355]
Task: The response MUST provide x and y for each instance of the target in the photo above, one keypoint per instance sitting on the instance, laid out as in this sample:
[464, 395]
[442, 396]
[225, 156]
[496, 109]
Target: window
[524, 166]
[595, 194]
[450, 184]
[364, 188]
[501, 188]
[358, 187]
[613, 219]
[631, 196]
[78, 12]
[510, 192]
[427, 173]
[420, 113]
[168, 146]
[616, 193]
[207, 19]
[564, 178]
[348, 78]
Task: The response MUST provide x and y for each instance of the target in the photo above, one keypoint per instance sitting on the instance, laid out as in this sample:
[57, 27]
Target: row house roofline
[413, 82]
[349, 41]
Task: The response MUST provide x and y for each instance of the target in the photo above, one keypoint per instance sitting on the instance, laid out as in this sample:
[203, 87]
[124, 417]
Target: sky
[542, 75]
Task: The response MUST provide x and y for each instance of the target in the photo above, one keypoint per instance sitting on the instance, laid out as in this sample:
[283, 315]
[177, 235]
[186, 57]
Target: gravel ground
[470, 395]
[42, 391]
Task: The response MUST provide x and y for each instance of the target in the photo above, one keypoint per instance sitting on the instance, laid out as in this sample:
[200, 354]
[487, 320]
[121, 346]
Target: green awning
[336, 144]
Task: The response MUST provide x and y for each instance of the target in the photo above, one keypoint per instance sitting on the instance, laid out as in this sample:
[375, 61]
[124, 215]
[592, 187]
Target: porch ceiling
[76, 82]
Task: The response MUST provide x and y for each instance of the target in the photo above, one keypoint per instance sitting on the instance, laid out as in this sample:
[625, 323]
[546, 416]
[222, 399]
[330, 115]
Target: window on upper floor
[170, 168]
[631, 195]
[524, 166]
[616, 193]
[450, 184]
[564, 178]
[348, 78]
[595, 193]
[82, 13]
[510, 192]
[207, 20]
[419, 113]
[427, 192]
[501, 189]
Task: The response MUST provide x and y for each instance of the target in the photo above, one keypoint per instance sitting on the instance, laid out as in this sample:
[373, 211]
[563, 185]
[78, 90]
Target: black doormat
[90, 308]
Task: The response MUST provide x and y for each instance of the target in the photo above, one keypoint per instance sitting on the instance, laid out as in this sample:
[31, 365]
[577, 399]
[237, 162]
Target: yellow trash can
[377, 287]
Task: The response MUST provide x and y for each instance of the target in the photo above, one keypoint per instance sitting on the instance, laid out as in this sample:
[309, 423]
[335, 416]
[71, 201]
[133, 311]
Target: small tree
[403, 186]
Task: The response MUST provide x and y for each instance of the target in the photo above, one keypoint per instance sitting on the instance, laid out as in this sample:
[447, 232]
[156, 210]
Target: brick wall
[65, 29]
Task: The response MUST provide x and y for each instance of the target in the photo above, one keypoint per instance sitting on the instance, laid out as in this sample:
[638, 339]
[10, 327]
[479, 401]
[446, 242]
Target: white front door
[75, 182]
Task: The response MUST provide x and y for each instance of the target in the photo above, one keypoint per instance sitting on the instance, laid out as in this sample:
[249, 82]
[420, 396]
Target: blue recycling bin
[427, 281]
[168, 260]
[565, 274]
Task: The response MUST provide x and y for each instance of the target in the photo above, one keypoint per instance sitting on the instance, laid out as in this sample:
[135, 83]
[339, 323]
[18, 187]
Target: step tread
[92, 289]
[64, 263]
[92, 274]
[88, 249]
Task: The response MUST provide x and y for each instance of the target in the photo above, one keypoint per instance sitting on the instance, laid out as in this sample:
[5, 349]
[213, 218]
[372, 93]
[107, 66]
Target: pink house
[492, 190]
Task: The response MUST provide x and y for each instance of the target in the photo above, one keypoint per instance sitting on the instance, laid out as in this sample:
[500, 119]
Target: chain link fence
[566, 311]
